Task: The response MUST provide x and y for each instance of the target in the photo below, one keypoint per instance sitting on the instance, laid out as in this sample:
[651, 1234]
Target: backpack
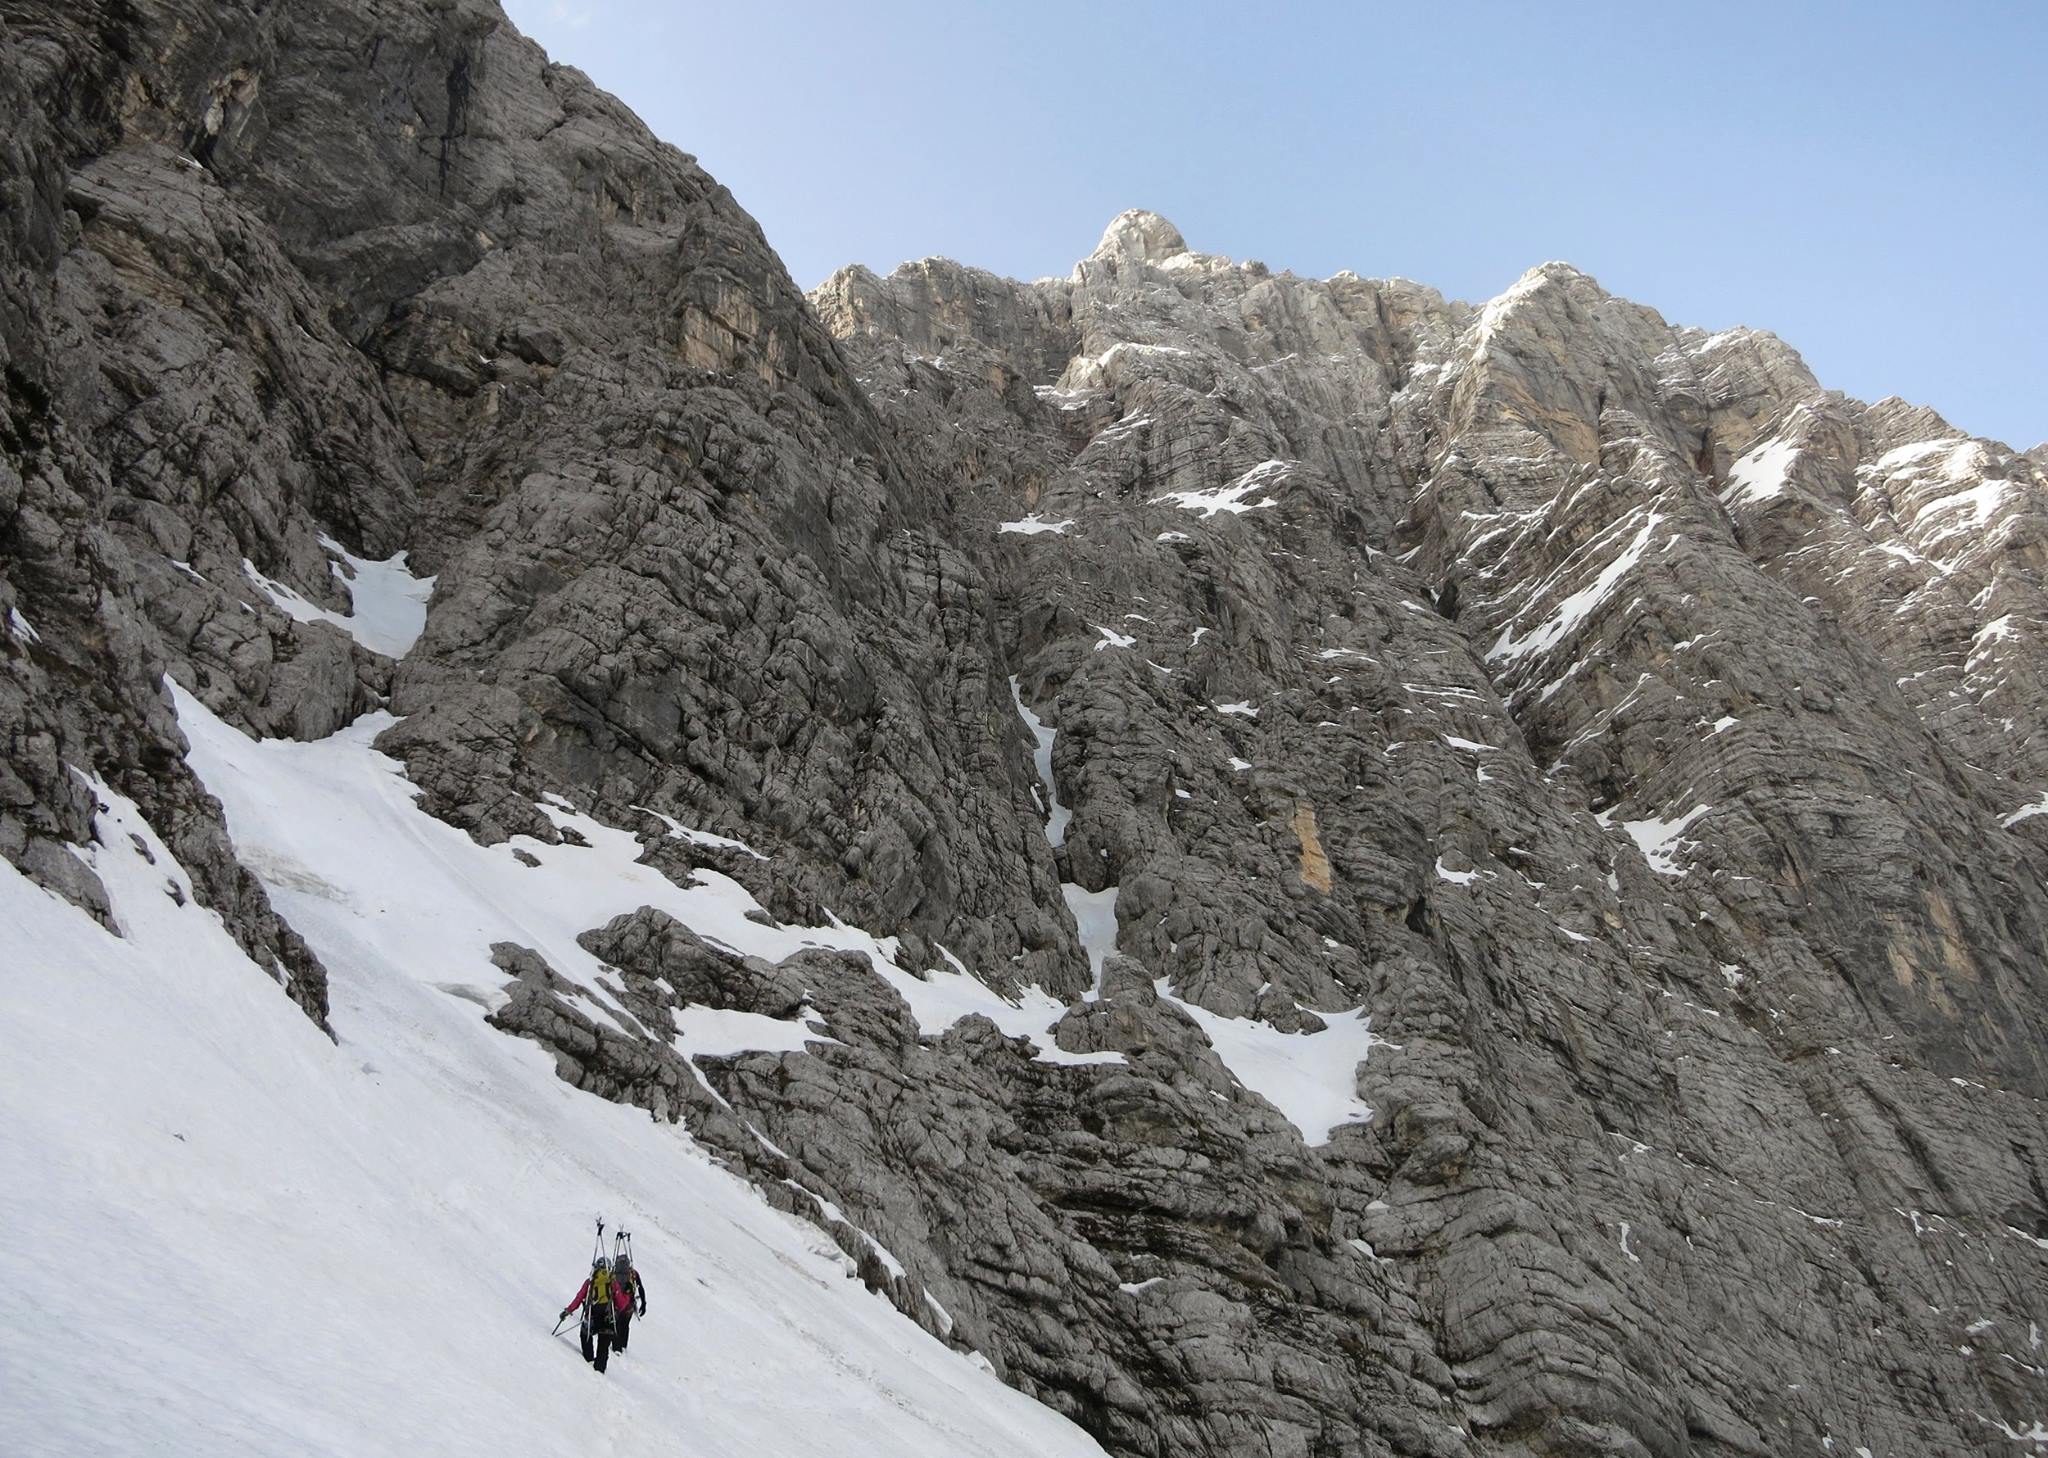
[597, 1305]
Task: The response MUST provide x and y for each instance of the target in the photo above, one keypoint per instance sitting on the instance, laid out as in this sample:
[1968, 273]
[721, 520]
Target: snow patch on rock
[1231, 498]
[1034, 525]
[389, 603]
[1311, 1078]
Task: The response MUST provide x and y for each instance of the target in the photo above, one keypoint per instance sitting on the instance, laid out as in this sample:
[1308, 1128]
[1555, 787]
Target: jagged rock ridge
[1639, 733]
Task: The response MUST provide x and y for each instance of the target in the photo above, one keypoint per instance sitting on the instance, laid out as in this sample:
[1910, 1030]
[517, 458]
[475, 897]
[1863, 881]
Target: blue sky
[1868, 180]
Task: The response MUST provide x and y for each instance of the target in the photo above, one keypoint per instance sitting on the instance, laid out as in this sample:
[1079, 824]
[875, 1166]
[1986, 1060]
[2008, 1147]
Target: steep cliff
[1307, 868]
[1639, 731]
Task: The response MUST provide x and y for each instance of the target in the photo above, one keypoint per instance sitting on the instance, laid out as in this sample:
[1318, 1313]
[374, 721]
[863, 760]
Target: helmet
[598, 1265]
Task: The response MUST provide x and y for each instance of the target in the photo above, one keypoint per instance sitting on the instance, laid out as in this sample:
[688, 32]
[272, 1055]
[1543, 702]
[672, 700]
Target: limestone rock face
[1646, 735]
[1649, 741]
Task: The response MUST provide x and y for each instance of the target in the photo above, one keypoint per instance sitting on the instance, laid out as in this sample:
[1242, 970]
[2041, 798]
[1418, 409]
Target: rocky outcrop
[179, 414]
[1644, 738]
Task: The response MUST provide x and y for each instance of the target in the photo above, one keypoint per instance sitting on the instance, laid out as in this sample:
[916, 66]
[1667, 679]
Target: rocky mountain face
[1648, 737]
[1183, 662]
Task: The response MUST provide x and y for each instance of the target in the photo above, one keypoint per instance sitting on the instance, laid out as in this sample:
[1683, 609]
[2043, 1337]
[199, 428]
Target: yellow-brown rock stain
[1924, 957]
[1315, 865]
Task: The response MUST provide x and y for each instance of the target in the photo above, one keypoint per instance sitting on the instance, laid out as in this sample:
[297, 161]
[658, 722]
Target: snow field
[228, 1235]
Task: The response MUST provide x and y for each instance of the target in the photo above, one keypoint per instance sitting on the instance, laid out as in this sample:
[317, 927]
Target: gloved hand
[565, 1313]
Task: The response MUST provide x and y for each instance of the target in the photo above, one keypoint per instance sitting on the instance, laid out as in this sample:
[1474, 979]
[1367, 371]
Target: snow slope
[227, 1235]
[332, 828]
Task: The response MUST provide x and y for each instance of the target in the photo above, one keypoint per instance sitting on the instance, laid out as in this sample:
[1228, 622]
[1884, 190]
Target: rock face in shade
[1647, 739]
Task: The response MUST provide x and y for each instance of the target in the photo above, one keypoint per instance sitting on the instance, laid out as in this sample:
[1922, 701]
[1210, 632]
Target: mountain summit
[1140, 236]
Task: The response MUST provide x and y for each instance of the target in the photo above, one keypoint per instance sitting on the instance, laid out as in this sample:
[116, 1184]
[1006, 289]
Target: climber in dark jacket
[626, 1279]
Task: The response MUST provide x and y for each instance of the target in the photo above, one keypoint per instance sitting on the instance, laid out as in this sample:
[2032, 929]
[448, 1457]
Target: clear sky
[1868, 180]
